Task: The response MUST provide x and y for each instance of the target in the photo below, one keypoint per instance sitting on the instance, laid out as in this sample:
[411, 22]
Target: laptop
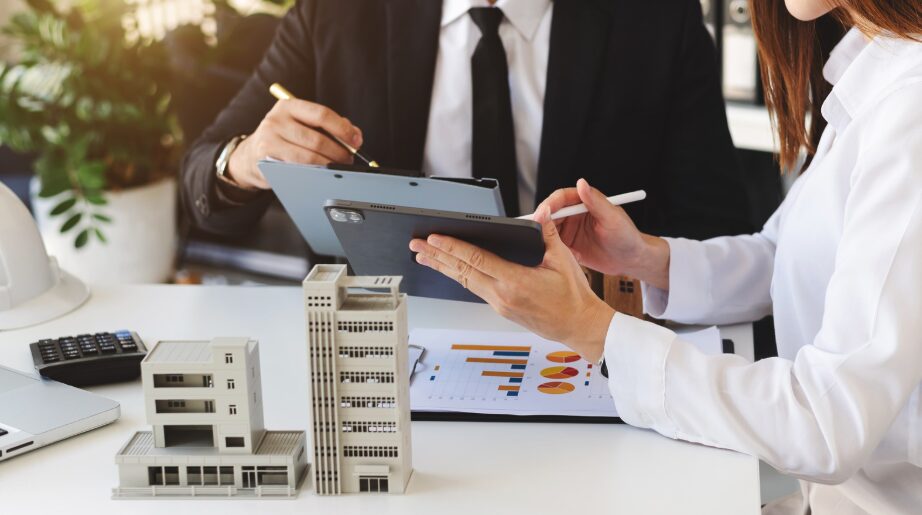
[35, 412]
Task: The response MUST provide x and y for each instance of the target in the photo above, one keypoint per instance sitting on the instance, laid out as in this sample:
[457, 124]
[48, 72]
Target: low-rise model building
[204, 403]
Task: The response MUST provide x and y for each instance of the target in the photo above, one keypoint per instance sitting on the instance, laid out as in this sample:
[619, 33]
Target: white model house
[204, 401]
[359, 382]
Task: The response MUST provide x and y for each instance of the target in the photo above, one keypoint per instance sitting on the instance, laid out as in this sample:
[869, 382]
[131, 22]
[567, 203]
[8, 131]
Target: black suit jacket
[633, 101]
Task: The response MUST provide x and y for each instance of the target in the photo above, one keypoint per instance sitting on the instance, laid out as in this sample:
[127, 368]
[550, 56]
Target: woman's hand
[552, 300]
[605, 239]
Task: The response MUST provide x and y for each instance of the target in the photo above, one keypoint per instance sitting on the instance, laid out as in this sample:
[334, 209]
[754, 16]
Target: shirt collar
[862, 69]
[524, 15]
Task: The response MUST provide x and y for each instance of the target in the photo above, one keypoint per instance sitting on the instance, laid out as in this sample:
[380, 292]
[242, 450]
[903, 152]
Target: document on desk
[514, 373]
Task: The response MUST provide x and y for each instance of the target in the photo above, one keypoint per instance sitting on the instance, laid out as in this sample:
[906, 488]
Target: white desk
[460, 468]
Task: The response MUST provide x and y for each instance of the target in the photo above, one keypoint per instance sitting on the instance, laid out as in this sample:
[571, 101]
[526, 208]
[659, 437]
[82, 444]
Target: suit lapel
[413, 40]
[579, 39]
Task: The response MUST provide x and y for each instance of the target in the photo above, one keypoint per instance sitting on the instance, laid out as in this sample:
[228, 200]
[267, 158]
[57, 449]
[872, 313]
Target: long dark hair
[792, 54]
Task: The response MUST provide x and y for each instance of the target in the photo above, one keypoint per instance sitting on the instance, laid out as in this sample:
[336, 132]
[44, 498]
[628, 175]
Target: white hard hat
[32, 287]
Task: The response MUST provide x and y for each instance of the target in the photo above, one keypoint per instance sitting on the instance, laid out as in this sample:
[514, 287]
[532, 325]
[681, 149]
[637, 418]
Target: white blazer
[840, 267]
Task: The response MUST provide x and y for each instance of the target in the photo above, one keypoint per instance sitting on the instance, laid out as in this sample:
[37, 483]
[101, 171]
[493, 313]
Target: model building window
[193, 475]
[210, 476]
[365, 352]
[227, 475]
[230, 384]
[232, 409]
[234, 441]
[373, 484]
[369, 451]
[159, 476]
[368, 402]
[272, 475]
[228, 358]
[366, 377]
[209, 406]
[626, 286]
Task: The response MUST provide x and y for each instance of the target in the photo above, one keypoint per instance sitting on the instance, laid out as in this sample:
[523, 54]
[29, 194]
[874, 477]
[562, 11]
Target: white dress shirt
[840, 266]
[526, 35]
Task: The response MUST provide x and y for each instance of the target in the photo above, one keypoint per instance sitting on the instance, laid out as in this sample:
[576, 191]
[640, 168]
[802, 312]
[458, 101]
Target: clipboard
[304, 189]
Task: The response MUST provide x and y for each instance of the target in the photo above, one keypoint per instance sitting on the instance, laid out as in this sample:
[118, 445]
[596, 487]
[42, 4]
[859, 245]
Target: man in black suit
[533, 92]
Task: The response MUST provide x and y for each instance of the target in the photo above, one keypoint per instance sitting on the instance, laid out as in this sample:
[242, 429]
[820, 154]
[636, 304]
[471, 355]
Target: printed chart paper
[514, 373]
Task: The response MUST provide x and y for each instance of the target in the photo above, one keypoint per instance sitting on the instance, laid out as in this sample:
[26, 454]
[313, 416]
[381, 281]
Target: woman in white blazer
[839, 265]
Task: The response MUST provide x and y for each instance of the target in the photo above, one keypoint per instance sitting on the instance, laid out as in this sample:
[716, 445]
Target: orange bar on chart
[503, 361]
[509, 388]
[516, 348]
[497, 373]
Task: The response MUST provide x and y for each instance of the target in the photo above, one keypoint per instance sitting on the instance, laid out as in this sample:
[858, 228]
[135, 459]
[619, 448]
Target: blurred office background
[211, 47]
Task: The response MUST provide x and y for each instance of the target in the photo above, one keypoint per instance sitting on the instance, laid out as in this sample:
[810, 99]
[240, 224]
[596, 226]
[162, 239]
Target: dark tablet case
[379, 244]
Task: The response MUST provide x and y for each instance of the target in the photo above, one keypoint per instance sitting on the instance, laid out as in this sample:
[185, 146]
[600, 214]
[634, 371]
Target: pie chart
[556, 388]
[563, 356]
[559, 372]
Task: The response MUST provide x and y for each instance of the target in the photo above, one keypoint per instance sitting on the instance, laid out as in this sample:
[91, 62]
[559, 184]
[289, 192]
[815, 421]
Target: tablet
[303, 190]
[376, 239]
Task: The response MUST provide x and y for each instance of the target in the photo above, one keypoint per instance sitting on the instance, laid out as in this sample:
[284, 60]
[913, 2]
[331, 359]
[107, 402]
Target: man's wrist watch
[224, 158]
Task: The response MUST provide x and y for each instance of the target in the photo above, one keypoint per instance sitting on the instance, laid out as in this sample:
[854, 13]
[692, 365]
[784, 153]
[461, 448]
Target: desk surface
[460, 467]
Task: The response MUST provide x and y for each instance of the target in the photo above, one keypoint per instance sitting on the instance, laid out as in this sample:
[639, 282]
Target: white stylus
[617, 200]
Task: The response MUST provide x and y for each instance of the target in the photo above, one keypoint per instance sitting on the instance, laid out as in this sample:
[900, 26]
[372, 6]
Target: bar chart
[510, 373]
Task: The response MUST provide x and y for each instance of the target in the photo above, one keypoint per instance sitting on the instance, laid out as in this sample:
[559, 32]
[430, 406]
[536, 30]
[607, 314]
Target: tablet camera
[346, 216]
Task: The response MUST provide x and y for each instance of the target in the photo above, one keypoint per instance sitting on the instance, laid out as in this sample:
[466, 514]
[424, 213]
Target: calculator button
[107, 348]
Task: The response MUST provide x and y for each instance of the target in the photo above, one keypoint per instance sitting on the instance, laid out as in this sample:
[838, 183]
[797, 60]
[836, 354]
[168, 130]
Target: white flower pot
[141, 240]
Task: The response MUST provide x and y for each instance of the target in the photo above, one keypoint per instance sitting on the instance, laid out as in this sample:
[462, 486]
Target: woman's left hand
[553, 300]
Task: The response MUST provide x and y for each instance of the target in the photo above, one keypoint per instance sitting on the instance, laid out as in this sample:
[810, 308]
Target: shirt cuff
[636, 354]
[688, 284]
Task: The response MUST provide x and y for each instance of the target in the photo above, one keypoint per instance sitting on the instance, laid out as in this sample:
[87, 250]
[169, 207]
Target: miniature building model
[204, 401]
[359, 382]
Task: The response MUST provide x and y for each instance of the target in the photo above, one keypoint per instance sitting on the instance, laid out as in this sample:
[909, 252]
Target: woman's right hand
[606, 240]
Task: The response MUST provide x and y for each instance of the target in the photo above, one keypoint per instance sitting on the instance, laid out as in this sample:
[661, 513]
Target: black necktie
[493, 152]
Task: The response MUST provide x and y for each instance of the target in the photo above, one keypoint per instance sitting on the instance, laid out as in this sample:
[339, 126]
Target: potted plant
[92, 101]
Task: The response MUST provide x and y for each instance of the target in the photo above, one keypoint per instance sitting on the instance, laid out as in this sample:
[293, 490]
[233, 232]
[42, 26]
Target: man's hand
[553, 299]
[606, 240]
[290, 132]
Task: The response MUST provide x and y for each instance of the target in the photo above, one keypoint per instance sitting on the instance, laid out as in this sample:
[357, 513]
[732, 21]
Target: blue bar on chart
[510, 353]
[515, 379]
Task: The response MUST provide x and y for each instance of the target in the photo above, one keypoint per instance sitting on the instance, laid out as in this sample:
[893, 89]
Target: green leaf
[92, 175]
[100, 235]
[82, 239]
[102, 218]
[64, 206]
[95, 198]
[71, 222]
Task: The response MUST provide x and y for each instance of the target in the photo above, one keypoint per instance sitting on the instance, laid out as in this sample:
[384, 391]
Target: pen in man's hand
[279, 92]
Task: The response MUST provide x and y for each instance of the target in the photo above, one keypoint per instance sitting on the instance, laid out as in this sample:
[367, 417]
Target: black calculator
[90, 359]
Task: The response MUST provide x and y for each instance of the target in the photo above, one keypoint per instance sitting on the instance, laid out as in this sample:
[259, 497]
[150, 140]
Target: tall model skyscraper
[359, 381]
